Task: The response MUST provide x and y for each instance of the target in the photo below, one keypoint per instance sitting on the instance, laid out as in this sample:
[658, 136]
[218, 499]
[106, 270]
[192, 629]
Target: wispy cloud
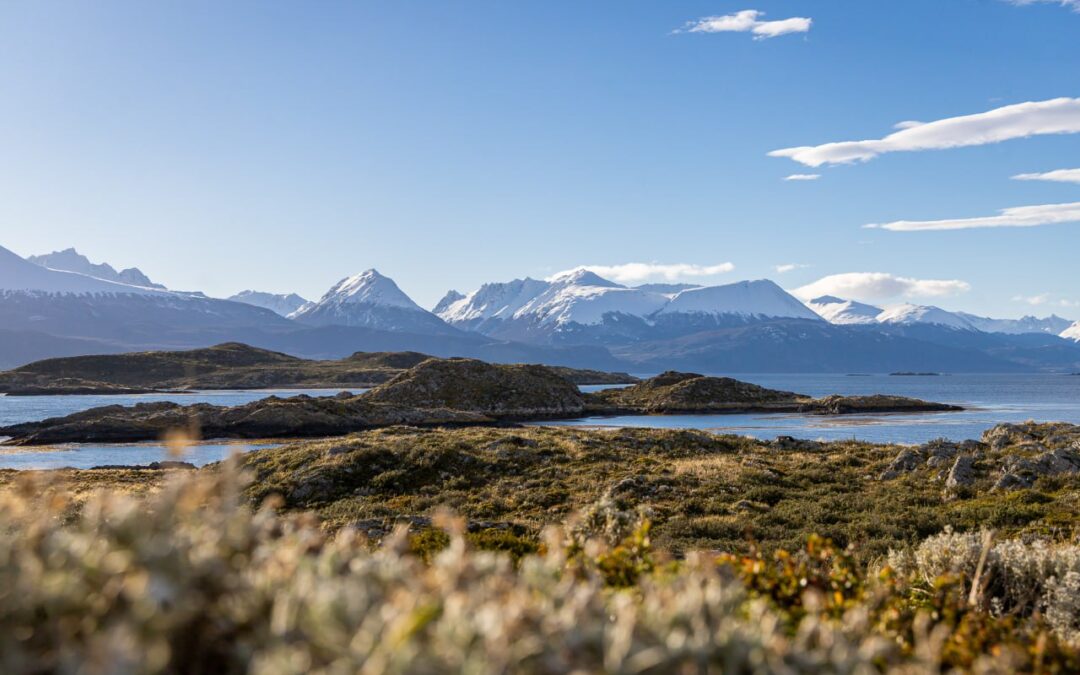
[639, 272]
[790, 267]
[1019, 216]
[1058, 176]
[1074, 5]
[875, 286]
[1045, 299]
[1056, 116]
[748, 21]
[803, 176]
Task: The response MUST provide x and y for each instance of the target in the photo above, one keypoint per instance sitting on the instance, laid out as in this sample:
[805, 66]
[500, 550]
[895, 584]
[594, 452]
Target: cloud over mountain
[873, 286]
[630, 273]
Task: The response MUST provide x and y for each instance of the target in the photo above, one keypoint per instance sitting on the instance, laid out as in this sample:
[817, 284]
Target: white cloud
[1074, 5]
[628, 273]
[1019, 216]
[803, 176]
[791, 267]
[1059, 176]
[875, 286]
[748, 21]
[1056, 116]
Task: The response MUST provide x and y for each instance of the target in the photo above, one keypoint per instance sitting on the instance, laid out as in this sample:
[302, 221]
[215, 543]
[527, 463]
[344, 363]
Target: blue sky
[283, 146]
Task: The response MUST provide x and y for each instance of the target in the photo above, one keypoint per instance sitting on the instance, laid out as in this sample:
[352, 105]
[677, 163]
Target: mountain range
[62, 304]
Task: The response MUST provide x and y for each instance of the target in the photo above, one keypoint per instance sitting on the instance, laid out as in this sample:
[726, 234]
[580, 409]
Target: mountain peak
[369, 287]
[279, 303]
[583, 277]
[759, 298]
[70, 260]
[450, 298]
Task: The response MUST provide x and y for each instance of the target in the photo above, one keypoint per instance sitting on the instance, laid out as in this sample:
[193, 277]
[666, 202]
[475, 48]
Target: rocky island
[438, 392]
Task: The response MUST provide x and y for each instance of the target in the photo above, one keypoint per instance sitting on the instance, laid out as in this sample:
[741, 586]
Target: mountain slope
[1072, 332]
[907, 315]
[1052, 324]
[844, 312]
[371, 300]
[278, 303]
[70, 260]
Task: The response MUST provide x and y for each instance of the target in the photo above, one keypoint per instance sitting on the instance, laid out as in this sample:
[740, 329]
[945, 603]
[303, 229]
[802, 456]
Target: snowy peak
[1072, 332]
[17, 274]
[370, 300]
[583, 277]
[907, 315]
[70, 260]
[279, 303]
[839, 311]
[450, 298]
[493, 301]
[369, 288]
[750, 299]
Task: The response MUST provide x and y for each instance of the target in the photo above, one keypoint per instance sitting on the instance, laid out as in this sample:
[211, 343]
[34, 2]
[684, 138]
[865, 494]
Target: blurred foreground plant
[192, 580]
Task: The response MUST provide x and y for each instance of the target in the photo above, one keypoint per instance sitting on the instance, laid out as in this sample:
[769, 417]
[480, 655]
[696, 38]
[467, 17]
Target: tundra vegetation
[568, 549]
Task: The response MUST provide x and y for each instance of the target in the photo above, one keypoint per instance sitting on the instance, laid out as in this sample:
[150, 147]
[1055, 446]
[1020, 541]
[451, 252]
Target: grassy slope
[706, 491]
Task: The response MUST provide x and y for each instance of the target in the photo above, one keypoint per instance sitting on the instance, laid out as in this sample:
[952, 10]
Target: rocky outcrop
[934, 454]
[962, 473]
[673, 393]
[273, 417]
[1032, 450]
[495, 390]
[846, 405]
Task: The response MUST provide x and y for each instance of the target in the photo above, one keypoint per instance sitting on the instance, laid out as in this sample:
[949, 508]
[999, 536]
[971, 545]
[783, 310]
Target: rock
[791, 443]
[962, 473]
[1011, 481]
[906, 461]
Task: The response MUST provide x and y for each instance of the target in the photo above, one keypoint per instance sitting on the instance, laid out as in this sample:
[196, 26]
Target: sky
[282, 146]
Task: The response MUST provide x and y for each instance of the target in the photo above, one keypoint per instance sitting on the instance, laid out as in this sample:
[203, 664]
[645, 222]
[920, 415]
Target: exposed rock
[165, 465]
[962, 473]
[906, 461]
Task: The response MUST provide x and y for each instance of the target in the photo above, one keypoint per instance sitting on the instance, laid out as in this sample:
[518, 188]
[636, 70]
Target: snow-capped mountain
[907, 315]
[70, 260]
[450, 298]
[761, 299]
[580, 306]
[370, 300]
[279, 303]
[19, 275]
[1072, 332]
[70, 305]
[839, 311]
[1052, 324]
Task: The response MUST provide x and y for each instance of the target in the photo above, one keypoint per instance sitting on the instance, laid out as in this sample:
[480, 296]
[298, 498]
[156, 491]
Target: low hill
[226, 366]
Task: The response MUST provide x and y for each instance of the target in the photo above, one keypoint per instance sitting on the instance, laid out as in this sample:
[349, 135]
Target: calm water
[15, 409]
[990, 399]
